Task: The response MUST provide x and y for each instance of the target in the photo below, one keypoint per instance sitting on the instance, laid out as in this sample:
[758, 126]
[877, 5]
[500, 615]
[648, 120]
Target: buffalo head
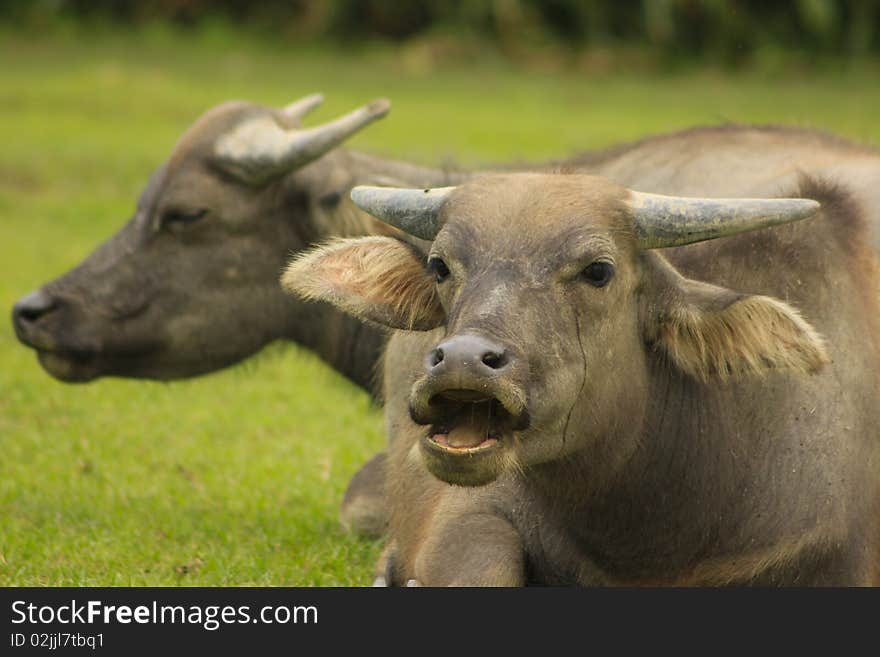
[189, 284]
[549, 307]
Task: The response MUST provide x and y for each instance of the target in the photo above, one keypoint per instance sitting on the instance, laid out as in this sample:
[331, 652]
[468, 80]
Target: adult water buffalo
[190, 283]
[567, 405]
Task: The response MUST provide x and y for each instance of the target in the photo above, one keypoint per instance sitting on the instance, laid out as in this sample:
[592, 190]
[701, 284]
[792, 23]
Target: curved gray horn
[414, 211]
[300, 108]
[663, 221]
[260, 149]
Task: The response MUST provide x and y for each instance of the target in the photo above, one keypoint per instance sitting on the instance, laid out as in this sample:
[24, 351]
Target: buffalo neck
[695, 479]
[370, 169]
[658, 490]
[347, 345]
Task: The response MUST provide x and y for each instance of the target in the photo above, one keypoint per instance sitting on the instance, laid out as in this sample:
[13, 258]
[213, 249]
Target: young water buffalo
[567, 405]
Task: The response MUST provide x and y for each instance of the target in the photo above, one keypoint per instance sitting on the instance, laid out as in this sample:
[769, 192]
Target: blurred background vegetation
[667, 32]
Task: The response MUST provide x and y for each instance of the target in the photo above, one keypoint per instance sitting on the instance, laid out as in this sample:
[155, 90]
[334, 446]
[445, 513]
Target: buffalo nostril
[32, 307]
[436, 357]
[30, 314]
[494, 360]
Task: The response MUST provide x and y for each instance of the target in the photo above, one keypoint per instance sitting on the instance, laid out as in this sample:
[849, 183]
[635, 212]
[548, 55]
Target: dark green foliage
[728, 30]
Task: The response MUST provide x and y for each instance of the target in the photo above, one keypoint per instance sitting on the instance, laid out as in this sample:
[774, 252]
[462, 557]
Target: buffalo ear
[710, 332]
[376, 279]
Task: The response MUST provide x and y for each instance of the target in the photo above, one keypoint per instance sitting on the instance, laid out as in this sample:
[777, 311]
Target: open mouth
[472, 422]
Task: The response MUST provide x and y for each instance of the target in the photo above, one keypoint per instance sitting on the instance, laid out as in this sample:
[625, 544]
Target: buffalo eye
[177, 219]
[598, 273]
[438, 268]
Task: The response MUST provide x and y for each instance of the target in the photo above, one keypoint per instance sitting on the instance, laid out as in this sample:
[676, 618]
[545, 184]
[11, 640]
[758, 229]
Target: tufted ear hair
[711, 332]
[376, 279]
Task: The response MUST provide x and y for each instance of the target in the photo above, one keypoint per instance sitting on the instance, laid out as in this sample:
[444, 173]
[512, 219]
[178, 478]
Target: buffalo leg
[478, 549]
[364, 510]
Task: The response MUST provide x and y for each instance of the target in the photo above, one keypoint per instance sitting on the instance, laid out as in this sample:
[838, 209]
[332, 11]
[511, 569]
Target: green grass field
[236, 478]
